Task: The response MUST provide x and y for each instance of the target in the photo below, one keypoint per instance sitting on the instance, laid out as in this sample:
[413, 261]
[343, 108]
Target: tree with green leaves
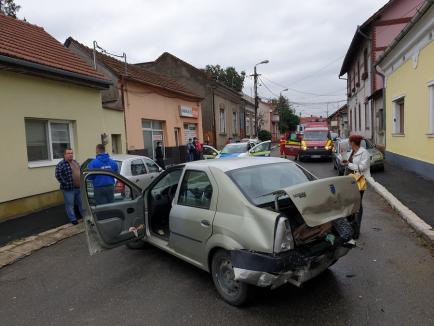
[229, 76]
[9, 8]
[288, 120]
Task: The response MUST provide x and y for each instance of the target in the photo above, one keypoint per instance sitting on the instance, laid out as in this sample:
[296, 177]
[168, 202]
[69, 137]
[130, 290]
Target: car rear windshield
[257, 182]
[86, 163]
[315, 135]
[235, 148]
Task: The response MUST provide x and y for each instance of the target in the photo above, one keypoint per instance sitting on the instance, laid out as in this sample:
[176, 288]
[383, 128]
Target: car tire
[235, 293]
[136, 244]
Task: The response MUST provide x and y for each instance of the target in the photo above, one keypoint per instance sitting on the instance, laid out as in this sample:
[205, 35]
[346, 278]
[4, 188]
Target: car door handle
[137, 180]
[130, 210]
[205, 223]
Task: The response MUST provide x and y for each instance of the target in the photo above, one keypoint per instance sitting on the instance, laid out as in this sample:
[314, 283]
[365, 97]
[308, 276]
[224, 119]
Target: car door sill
[164, 245]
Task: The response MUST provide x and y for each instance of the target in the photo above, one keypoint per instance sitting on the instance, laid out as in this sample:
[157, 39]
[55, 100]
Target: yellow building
[50, 99]
[408, 66]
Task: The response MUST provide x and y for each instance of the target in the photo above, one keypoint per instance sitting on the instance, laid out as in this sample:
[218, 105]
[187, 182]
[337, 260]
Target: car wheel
[136, 244]
[233, 292]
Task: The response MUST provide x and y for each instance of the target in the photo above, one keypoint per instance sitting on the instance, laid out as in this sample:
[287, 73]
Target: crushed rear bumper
[275, 270]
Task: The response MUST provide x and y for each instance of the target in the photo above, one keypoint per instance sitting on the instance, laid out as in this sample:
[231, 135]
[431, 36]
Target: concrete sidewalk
[411, 189]
[31, 224]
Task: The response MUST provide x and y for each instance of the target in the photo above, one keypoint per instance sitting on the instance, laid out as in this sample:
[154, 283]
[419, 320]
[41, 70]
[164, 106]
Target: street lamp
[283, 90]
[255, 79]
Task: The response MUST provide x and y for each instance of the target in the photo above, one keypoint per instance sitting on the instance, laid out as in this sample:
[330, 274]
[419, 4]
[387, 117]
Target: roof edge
[100, 83]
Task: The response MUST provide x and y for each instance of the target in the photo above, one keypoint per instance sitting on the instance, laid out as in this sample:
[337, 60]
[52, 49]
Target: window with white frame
[398, 116]
[46, 140]
[247, 124]
[222, 120]
[367, 119]
[431, 107]
[234, 122]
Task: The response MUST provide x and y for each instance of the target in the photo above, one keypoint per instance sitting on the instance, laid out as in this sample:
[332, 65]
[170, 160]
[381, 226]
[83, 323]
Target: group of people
[194, 150]
[68, 175]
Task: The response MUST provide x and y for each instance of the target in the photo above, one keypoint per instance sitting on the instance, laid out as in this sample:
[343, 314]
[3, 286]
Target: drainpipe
[379, 71]
[214, 119]
[125, 113]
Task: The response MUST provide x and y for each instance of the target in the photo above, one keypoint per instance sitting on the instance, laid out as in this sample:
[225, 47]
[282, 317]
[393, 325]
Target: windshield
[235, 148]
[257, 182]
[315, 135]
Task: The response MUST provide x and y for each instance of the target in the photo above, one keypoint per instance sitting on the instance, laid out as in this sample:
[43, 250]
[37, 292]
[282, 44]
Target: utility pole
[255, 86]
[255, 83]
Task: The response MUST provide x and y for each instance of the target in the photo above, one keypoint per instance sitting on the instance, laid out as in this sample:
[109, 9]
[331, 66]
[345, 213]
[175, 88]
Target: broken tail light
[283, 239]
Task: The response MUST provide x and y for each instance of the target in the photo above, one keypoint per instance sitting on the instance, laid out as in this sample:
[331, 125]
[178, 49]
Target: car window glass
[152, 167]
[137, 167]
[261, 148]
[196, 190]
[169, 180]
[115, 191]
[257, 182]
[208, 150]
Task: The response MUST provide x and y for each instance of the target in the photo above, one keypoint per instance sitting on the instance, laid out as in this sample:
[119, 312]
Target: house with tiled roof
[50, 100]
[365, 98]
[223, 109]
[157, 108]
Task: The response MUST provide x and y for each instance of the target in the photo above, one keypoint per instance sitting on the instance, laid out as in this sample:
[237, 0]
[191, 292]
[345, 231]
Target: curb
[419, 225]
[18, 249]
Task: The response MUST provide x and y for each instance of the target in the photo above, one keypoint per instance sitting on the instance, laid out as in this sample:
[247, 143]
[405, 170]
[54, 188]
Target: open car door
[114, 210]
[209, 152]
[262, 149]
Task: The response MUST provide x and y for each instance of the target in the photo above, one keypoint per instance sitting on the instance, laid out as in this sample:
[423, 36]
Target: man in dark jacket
[159, 155]
[68, 175]
[103, 185]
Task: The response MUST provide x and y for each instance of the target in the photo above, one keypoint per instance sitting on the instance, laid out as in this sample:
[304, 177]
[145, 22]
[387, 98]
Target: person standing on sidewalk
[159, 155]
[197, 149]
[358, 162]
[190, 150]
[68, 175]
[103, 185]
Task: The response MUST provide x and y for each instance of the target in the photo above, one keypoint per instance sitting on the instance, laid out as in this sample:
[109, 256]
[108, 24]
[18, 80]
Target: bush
[264, 135]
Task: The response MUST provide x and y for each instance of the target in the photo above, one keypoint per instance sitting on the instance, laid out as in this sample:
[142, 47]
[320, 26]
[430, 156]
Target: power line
[320, 69]
[303, 92]
[262, 82]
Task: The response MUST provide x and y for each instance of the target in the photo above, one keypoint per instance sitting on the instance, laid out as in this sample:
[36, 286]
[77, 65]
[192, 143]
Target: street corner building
[222, 108]
[50, 100]
[366, 112]
[157, 108]
[408, 65]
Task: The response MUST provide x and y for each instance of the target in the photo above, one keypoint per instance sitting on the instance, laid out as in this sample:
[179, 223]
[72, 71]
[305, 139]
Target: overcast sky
[305, 41]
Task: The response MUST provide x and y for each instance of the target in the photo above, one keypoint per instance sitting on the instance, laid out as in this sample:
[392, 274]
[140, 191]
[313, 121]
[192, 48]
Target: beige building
[50, 100]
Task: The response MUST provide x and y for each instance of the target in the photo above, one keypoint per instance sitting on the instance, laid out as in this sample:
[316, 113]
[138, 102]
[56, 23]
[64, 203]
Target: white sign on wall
[188, 111]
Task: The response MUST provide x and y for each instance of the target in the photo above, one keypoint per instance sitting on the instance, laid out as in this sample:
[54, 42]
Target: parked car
[139, 169]
[209, 152]
[342, 151]
[249, 222]
[245, 150]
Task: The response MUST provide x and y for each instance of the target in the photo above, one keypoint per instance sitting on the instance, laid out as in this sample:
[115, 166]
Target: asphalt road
[387, 280]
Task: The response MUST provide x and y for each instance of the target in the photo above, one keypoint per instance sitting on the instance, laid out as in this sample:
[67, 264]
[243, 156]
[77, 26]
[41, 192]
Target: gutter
[383, 77]
[55, 71]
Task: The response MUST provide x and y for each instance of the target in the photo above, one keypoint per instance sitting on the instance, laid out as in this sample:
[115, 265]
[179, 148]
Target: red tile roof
[22, 40]
[137, 73]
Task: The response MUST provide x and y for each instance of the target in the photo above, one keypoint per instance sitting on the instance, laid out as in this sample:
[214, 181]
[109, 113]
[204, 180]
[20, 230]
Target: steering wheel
[171, 192]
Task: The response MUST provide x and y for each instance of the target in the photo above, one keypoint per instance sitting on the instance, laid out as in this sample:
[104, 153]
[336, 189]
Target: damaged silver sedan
[249, 222]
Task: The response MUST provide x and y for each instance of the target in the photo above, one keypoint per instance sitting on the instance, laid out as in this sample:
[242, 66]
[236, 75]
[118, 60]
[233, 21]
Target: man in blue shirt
[103, 185]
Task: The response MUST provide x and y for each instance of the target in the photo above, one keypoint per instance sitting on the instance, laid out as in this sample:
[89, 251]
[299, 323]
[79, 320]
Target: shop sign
[157, 137]
[188, 112]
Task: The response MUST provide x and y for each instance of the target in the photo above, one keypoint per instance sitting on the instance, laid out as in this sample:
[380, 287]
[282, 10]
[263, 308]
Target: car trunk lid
[324, 200]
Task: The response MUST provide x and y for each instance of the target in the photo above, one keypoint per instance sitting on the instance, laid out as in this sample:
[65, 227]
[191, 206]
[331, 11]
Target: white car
[139, 169]
[246, 149]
